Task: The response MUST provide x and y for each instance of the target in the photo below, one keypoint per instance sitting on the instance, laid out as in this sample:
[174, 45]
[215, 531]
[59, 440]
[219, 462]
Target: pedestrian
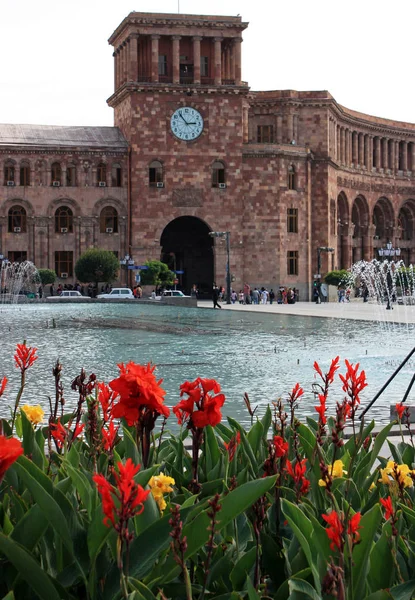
[234, 297]
[255, 295]
[247, 293]
[241, 297]
[271, 296]
[52, 290]
[215, 296]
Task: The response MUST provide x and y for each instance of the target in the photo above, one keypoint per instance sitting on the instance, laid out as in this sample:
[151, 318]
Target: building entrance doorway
[186, 246]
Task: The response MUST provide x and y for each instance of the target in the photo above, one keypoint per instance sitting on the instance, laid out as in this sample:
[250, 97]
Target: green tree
[97, 265]
[337, 278]
[46, 276]
[157, 274]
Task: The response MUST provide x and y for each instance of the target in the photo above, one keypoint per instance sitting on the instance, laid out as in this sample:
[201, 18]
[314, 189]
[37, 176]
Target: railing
[228, 81]
[186, 80]
[144, 78]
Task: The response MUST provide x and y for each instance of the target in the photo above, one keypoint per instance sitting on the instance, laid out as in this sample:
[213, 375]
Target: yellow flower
[335, 470]
[400, 473]
[159, 485]
[33, 413]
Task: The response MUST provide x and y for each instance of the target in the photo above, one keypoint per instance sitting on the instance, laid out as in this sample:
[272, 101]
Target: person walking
[247, 293]
[271, 296]
[215, 296]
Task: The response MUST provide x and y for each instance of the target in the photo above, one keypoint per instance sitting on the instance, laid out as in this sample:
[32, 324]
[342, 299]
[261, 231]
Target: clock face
[186, 123]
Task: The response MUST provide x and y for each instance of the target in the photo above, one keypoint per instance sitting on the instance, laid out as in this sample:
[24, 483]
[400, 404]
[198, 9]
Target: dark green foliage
[158, 274]
[97, 265]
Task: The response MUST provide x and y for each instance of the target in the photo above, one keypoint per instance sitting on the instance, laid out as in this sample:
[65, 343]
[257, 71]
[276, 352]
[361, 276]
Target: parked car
[117, 294]
[71, 294]
[170, 294]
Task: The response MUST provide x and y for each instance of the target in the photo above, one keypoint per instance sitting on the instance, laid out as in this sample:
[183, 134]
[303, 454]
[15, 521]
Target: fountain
[18, 281]
[385, 281]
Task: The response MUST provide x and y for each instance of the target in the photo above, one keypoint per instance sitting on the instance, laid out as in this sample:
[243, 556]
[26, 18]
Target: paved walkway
[357, 309]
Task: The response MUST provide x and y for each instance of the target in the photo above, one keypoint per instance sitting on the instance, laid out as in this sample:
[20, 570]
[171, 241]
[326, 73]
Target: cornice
[24, 149]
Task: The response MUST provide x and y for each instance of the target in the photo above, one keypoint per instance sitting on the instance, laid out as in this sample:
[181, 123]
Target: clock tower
[181, 104]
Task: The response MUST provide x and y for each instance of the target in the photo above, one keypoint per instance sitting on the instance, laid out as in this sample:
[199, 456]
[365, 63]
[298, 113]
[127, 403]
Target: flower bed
[94, 504]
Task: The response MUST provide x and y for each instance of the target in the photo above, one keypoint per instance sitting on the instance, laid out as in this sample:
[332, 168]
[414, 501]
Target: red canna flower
[353, 526]
[232, 445]
[208, 406]
[24, 356]
[138, 390]
[106, 399]
[78, 430]
[353, 383]
[388, 506]
[335, 530]
[281, 447]
[322, 409]
[296, 393]
[3, 384]
[328, 378]
[109, 437]
[130, 496]
[58, 432]
[302, 484]
[10, 450]
[400, 409]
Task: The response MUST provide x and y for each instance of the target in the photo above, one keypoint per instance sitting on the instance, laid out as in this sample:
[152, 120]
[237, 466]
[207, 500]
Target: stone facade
[283, 172]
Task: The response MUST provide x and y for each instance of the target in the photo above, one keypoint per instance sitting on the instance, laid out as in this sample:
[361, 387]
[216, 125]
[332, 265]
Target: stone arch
[383, 219]
[13, 201]
[342, 231]
[359, 228]
[406, 231]
[103, 202]
[63, 201]
[186, 246]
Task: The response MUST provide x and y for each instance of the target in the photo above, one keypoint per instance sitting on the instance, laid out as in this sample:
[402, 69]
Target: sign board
[317, 276]
[142, 267]
[137, 267]
[178, 272]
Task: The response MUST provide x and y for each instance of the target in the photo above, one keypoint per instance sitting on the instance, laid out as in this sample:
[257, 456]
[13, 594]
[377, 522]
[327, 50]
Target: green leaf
[28, 569]
[211, 449]
[379, 577]
[9, 596]
[252, 593]
[404, 591]
[266, 421]
[143, 592]
[255, 436]
[299, 585]
[29, 530]
[130, 446]
[97, 534]
[380, 595]
[242, 569]
[379, 441]
[369, 523]
[82, 486]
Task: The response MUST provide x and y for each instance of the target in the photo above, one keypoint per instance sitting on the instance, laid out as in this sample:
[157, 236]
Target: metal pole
[228, 269]
[388, 382]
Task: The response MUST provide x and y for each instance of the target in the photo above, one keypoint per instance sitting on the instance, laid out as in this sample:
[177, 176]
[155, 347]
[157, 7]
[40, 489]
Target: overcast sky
[57, 66]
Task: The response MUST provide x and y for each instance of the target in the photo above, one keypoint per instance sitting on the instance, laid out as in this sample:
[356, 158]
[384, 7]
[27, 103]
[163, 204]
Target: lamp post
[389, 253]
[321, 249]
[226, 235]
[126, 262]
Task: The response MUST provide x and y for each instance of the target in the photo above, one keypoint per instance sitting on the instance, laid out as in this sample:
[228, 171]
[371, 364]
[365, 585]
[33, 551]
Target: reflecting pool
[261, 354]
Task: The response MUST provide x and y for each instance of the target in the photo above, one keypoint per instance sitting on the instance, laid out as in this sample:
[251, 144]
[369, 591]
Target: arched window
[108, 220]
[63, 220]
[155, 174]
[71, 175]
[102, 175]
[56, 174]
[24, 174]
[17, 219]
[116, 175]
[218, 175]
[291, 177]
[9, 174]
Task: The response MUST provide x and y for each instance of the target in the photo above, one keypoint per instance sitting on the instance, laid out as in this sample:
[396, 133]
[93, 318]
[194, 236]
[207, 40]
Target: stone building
[194, 150]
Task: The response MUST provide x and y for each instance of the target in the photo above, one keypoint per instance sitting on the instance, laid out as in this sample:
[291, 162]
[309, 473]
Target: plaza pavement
[356, 309]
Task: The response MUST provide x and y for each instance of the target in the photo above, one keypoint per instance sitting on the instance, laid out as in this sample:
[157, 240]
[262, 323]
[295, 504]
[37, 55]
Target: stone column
[176, 57]
[368, 243]
[63, 176]
[279, 129]
[115, 70]
[396, 156]
[32, 174]
[237, 60]
[377, 152]
[155, 58]
[385, 162]
[354, 150]
[133, 64]
[343, 148]
[196, 58]
[391, 155]
[413, 157]
[218, 58]
[347, 143]
[404, 156]
[361, 149]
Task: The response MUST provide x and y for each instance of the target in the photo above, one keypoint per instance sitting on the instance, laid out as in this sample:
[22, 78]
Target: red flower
[58, 432]
[10, 450]
[78, 430]
[322, 409]
[335, 530]
[297, 473]
[400, 409]
[106, 399]
[296, 393]
[24, 357]
[353, 383]
[109, 436]
[388, 506]
[138, 389]
[281, 447]
[3, 384]
[353, 526]
[208, 406]
[130, 495]
[232, 445]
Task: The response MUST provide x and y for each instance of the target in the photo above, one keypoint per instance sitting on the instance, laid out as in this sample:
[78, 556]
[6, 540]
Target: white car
[170, 294]
[117, 294]
[69, 294]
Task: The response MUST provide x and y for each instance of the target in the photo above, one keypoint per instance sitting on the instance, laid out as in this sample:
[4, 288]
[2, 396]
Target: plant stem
[18, 397]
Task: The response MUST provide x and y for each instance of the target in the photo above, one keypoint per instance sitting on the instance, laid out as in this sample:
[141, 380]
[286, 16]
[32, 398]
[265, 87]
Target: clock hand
[182, 118]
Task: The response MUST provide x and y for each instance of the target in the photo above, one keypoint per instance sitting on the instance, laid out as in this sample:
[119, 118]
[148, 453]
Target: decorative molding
[186, 197]
[380, 188]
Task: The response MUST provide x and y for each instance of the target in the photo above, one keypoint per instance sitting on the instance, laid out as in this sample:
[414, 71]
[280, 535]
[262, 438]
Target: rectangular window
[204, 66]
[292, 262]
[70, 176]
[64, 263]
[162, 64]
[265, 134]
[17, 256]
[292, 220]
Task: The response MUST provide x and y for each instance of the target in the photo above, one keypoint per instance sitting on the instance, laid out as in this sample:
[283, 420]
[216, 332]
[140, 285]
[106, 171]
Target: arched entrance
[186, 246]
